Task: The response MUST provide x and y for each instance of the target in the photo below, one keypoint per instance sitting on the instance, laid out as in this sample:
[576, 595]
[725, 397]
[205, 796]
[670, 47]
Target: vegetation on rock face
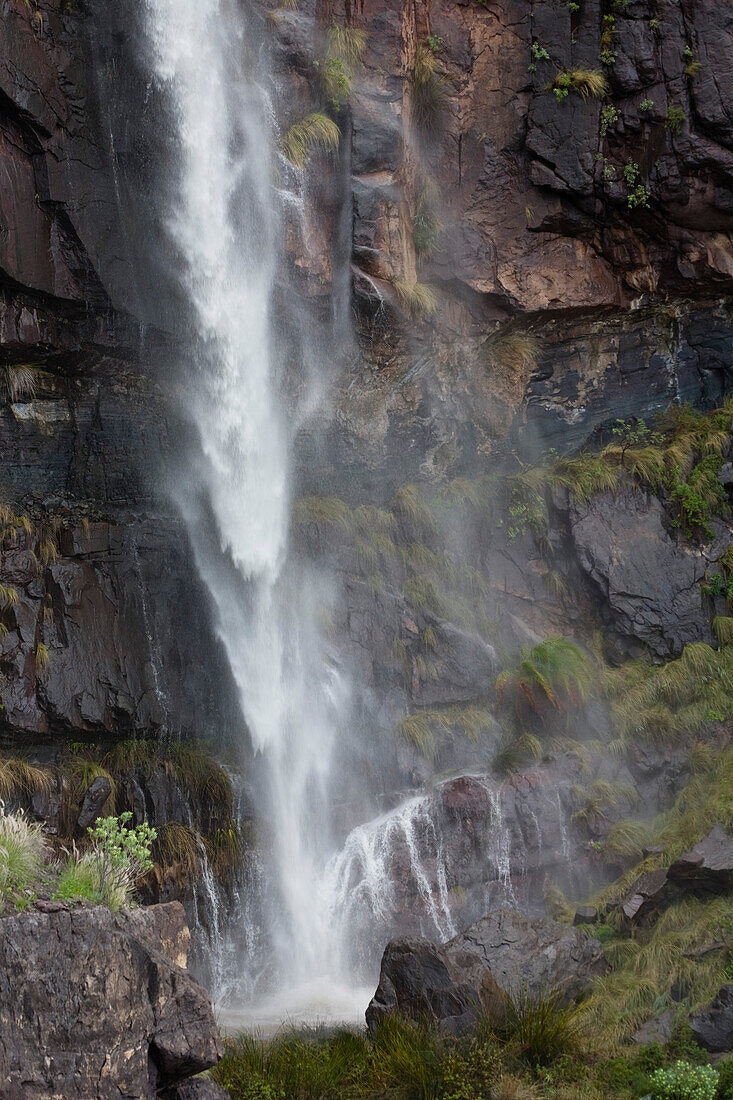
[428, 94]
[314, 132]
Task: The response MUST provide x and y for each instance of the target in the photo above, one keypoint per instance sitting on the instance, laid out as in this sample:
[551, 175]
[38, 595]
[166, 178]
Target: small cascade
[391, 872]
[154, 650]
[500, 850]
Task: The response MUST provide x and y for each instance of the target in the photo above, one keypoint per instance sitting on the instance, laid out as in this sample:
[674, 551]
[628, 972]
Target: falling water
[223, 223]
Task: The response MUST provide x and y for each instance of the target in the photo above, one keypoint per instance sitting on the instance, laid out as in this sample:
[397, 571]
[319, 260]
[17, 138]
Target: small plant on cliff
[18, 777]
[428, 94]
[692, 67]
[19, 380]
[683, 1081]
[675, 119]
[586, 82]
[108, 872]
[314, 132]
[519, 351]
[417, 299]
[22, 851]
[552, 677]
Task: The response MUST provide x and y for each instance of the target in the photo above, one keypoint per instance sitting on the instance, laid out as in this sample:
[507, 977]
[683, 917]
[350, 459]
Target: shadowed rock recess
[524, 273]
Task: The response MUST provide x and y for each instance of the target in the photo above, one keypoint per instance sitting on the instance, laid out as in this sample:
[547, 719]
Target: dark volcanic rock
[585, 914]
[96, 795]
[648, 581]
[94, 1003]
[645, 898]
[708, 867]
[712, 1026]
[473, 972]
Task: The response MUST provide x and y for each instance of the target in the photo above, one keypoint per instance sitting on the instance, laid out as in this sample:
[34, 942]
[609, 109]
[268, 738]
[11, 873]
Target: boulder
[645, 898]
[95, 1003]
[712, 1026]
[475, 972]
[96, 795]
[708, 867]
[585, 914]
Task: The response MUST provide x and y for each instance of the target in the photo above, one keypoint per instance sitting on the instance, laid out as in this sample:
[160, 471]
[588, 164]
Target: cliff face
[577, 253]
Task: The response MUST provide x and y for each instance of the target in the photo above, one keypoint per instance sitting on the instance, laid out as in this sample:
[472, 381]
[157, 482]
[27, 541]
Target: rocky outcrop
[646, 898]
[94, 1003]
[496, 957]
[712, 1026]
[708, 867]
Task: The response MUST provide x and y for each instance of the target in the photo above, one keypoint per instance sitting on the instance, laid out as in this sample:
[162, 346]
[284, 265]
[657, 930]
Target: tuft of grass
[80, 880]
[20, 381]
[410, 503]
[22, 851]
[177, 846]
[625, 841]
[515, 753]
[346, 43]
[315, 132]
[416, 299]
[520, 351]
[723, 629]
[428, 94]
[18, 777]
[553, 676]
[42, 657]
[541, 1026]
[586, 82]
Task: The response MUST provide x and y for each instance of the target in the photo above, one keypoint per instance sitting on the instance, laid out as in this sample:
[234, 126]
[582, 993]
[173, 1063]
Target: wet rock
[708, 867]
[416, 980]
[648, 582]
[646, 897]
[657, 1030]
[94, 799]
[475, 971]
[585, 914]
[712, 1026]
[137, 1023]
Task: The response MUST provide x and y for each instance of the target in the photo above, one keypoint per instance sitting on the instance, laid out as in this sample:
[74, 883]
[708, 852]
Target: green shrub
[107, 874]
[685, 1082]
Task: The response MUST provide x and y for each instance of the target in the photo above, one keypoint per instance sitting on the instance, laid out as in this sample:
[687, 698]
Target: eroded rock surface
[94, 1003]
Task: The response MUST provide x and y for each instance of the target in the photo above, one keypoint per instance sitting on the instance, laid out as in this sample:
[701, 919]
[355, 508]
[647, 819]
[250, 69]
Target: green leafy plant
[538, 53]
[683, 1081]
[586, 82]
[609, 116]
[119, 857]
[646, 105]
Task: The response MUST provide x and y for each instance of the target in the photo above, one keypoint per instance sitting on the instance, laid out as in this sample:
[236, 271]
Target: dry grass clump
[315, 132]
[428, 94]
[520, 351]
[416, 299]
[586, 82]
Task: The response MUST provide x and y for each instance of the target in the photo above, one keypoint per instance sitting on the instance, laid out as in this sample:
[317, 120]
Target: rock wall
[138, 1023]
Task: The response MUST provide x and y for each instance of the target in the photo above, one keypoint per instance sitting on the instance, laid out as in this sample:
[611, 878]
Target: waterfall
[223, 223]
